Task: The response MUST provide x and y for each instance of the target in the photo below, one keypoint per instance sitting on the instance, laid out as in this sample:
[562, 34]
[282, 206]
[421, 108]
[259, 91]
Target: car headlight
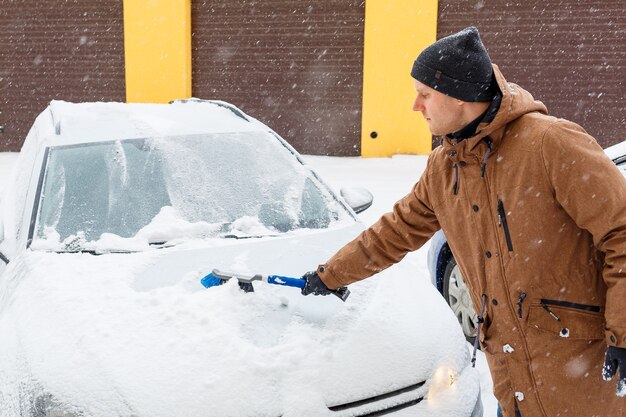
[442, 380]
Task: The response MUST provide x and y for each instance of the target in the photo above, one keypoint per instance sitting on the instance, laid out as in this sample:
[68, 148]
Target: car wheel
[457, 296]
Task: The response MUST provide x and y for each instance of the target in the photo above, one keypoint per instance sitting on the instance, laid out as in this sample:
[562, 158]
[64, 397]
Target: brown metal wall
[569, 54]
[296, 65]
[57, 49]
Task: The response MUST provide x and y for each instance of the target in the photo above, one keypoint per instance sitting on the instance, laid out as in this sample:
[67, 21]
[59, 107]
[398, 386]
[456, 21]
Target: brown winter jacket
[530, 205]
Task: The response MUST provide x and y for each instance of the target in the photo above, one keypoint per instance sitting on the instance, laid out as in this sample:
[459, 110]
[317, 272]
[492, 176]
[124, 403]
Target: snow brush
[217, 277]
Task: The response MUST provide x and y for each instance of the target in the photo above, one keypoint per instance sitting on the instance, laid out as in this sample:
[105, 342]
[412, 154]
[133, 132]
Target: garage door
[570, 55]
[294, 64]
[57, 49]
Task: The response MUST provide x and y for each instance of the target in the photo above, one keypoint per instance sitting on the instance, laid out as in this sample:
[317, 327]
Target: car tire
[458, 298]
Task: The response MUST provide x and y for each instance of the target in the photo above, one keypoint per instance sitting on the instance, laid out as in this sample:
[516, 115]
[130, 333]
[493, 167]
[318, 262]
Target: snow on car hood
[136, 334]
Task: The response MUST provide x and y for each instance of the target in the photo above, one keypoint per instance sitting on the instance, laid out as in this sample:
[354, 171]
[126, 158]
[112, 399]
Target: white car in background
[113, 215]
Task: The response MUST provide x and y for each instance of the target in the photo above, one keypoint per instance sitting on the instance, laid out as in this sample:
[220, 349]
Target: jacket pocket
[567, 320]
[504, 224]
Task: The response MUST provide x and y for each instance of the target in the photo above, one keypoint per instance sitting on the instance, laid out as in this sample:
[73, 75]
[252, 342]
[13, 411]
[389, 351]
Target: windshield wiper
[76, 245]
[245, 237]
[97, 252]
[162, 244]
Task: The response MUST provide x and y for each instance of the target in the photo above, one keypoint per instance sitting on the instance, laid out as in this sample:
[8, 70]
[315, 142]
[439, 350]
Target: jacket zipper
[550, 312]
[455, 187]
[504, 224]
[545, 303]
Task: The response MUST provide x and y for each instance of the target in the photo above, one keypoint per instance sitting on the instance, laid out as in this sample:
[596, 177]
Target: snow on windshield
[161, 189]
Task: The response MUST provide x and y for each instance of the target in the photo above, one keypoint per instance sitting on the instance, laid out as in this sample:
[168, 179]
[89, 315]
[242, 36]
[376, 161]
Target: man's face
[444, 114]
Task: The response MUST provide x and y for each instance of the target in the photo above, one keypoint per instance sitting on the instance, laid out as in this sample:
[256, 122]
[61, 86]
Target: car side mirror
[358, 198]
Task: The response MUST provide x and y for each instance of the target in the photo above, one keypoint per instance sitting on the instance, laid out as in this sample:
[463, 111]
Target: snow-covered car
[112, 217]
[446, 275]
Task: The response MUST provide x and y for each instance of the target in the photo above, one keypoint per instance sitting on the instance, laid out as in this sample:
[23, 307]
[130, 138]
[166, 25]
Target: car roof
[616, 151]
[92, 122]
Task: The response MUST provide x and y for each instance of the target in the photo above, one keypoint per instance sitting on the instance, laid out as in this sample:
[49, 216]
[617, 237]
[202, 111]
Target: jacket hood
[515, 103]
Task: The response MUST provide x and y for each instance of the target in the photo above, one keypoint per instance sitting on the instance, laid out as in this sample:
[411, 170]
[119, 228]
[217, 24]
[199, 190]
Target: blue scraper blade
[210, 281]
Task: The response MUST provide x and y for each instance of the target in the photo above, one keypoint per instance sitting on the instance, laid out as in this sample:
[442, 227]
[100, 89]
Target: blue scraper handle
[343, 293]
[286, 281]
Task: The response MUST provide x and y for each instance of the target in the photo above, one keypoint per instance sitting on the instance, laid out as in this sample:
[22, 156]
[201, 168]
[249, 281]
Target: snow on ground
[388, 179]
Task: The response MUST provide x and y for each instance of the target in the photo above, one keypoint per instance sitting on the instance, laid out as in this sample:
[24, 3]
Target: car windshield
[157, 190]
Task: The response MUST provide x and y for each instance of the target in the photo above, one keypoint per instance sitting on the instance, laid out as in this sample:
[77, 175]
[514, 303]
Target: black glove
[615, 359]
[314, 285]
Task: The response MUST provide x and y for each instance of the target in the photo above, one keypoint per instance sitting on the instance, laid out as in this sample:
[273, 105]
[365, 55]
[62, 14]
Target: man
[535, 215]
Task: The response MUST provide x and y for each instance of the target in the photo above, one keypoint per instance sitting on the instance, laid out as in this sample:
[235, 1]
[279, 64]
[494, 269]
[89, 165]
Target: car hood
[136, 334]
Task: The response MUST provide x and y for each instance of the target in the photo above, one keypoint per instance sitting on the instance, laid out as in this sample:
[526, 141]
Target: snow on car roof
[87, 122]
[616, 150]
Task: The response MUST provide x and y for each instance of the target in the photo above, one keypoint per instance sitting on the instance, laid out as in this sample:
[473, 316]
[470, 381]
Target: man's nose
[417, 103]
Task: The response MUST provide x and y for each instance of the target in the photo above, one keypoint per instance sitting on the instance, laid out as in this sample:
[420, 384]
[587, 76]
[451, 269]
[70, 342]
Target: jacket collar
[486, 117]
[515, 102]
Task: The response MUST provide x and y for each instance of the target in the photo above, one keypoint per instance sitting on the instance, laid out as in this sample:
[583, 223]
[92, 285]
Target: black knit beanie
[458, 66]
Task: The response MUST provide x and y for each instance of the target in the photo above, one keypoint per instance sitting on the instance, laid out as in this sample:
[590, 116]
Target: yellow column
[157, 50]
[395, 33]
